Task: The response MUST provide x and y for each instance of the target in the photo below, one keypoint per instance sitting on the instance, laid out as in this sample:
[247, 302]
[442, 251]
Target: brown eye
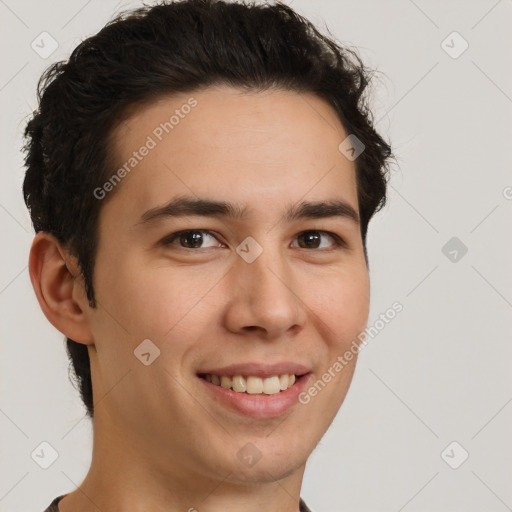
[191, 239]
[313, 239]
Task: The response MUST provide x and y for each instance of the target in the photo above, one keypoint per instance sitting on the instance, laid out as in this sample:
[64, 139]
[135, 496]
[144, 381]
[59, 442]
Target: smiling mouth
[251, 384]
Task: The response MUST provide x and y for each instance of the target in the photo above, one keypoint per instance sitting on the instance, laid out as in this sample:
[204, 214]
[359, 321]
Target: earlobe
[55, 277]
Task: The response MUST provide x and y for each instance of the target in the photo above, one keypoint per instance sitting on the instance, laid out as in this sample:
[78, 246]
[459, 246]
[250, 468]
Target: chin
[261, 460]
[265, 470]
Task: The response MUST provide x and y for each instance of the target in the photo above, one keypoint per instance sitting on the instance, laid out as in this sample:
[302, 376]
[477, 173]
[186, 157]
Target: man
[200, 176]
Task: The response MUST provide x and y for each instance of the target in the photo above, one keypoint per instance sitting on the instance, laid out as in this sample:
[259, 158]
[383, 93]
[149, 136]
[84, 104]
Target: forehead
[261, 149]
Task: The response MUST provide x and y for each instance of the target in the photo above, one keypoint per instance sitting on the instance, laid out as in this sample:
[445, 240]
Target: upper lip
[258, 369]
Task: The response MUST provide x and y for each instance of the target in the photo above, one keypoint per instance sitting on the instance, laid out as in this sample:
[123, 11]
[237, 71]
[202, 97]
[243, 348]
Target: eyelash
[168, 240]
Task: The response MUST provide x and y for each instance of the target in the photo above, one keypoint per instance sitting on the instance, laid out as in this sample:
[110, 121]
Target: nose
[264, 297]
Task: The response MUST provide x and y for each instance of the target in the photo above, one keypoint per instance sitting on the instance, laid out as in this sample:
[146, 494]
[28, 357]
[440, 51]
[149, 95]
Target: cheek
[354, 301]
[343, 305]
[343, 308]
[156, 301]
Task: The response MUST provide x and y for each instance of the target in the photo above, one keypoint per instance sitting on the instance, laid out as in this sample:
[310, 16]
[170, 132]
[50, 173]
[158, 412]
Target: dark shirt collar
[54, 505]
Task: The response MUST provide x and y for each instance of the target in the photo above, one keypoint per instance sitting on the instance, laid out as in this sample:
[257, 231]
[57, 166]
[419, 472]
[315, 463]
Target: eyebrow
[192, 206]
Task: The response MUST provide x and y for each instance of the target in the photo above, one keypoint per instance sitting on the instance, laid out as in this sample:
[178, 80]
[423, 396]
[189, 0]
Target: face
[276, 284]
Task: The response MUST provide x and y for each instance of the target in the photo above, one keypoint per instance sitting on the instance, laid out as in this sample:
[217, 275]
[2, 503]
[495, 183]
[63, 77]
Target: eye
[312, 239]
[191, 239]
[194, 239]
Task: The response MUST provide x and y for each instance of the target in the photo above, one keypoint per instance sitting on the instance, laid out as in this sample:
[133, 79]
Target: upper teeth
[253, 385]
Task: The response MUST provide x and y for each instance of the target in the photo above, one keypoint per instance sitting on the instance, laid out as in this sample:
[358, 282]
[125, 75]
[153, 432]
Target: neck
[130, 475]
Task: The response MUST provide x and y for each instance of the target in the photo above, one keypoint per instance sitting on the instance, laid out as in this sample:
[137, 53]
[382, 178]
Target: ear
[59, 287]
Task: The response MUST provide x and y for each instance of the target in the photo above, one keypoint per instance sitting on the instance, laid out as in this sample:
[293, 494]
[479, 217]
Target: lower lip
[259, 406]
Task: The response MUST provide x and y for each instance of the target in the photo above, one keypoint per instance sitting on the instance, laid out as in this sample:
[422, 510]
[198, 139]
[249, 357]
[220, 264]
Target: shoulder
[302, 506]
[54, 507]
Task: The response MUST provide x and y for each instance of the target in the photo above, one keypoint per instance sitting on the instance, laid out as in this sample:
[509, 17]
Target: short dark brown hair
[164, 49]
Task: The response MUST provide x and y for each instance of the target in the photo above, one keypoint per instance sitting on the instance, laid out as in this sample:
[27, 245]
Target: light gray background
[439, 372]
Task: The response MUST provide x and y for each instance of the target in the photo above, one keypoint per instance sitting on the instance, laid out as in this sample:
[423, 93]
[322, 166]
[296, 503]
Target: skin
[161, 442]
